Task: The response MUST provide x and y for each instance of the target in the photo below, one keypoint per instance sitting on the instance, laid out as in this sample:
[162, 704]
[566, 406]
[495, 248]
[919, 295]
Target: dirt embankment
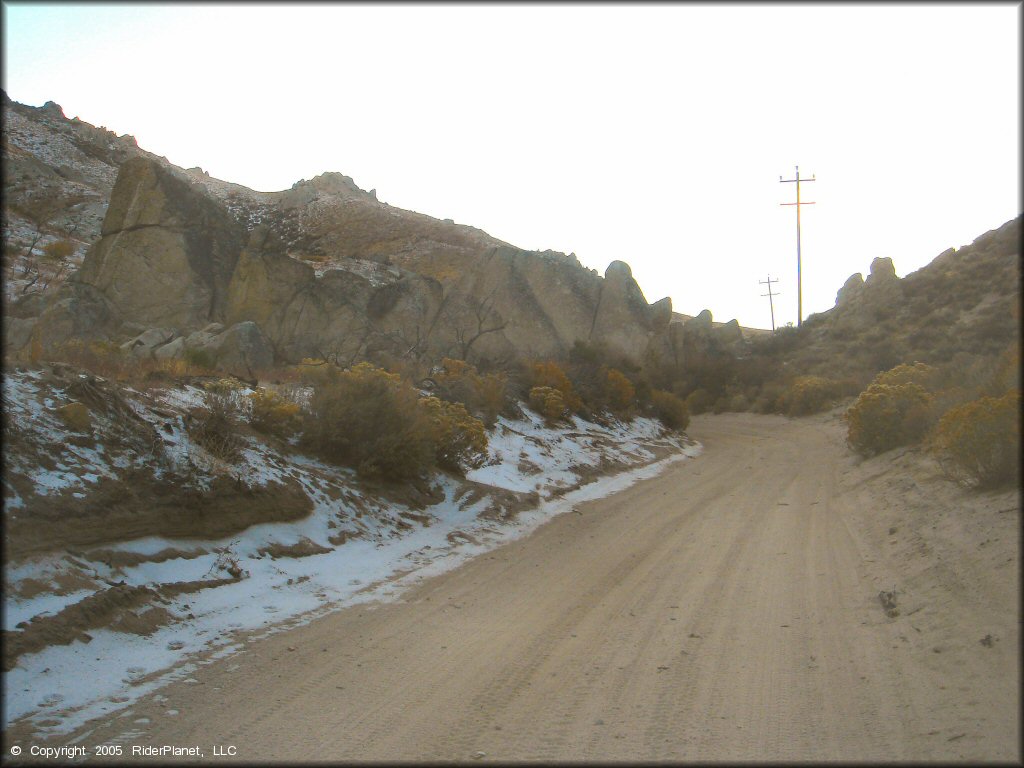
[729, 609]
[138, 504]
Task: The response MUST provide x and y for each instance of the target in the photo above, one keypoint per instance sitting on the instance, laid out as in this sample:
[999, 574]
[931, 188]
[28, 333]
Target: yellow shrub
[978, 443]
[315, 371]
[272, 413]
[456, 369]
[548, 402]
[550, 374]
[75, 417]
[886, 416]
[1007, 374]
[459, 439]
[699, 401]
[808, 394]
[59, 250]
[176, 367]
[490, 392]
[370, 419]
[35, 349]
[104, 358]
[670, 410]
[905, 373]
[483, 395]
[620, 392]
[225, 386]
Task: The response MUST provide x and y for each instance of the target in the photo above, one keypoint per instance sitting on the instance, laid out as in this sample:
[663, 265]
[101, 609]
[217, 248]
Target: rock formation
[325, 270]
[965, 303]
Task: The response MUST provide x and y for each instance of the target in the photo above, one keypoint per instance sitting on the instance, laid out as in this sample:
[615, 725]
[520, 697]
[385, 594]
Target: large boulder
[174, 349]
[516, 303]
[243, 350]
[167, 251]
[204, 337]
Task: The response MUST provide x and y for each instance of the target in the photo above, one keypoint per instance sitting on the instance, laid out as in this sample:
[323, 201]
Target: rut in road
[724, 610]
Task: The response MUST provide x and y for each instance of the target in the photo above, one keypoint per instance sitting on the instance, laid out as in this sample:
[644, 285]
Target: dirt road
[725, 610]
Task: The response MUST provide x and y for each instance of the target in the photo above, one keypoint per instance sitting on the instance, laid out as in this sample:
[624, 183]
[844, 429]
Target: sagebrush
[978, 443]
[376, 422]
[886, 416]
[369, 419]
[670, 410]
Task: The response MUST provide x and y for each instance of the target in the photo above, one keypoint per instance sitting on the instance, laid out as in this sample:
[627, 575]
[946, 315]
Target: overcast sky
[654, 134]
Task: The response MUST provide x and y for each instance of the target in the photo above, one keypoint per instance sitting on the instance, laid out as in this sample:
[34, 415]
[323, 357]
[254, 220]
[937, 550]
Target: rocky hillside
[321, 270]
[57, 178]
[106, 241]
[965, 304]
[961, 314]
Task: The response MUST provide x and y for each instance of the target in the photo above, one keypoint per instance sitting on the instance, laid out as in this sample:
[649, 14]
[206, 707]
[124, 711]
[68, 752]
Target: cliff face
[325, 270]
[167, 251]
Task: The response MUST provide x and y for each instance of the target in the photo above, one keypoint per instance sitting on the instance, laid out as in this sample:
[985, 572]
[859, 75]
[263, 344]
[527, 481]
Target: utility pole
[769, 281]
[799, 285]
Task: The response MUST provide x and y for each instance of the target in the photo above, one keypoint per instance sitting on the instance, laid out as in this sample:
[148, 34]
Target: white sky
[655, 134]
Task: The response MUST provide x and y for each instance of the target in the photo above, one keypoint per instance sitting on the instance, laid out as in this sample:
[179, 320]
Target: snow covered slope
[91, 625]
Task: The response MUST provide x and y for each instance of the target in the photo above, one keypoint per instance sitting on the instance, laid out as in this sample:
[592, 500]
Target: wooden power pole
[769, 282]
[798, 203]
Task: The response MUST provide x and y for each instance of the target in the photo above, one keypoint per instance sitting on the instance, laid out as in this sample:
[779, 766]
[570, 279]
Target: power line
[798, 203]
[769, 282]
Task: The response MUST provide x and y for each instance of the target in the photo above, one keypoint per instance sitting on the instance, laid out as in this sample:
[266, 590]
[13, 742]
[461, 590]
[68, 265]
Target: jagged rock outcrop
[965, 303]
[690, 342]
[728, 333]
[174, 257]
[882, 271]
[335, 272]
[702, 319]
[410, 284]
[661, 315]
[623, 319]
[851, 289]
[860, 300]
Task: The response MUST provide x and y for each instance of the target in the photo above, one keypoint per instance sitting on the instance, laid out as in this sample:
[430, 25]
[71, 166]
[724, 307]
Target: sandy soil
[726, 610]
